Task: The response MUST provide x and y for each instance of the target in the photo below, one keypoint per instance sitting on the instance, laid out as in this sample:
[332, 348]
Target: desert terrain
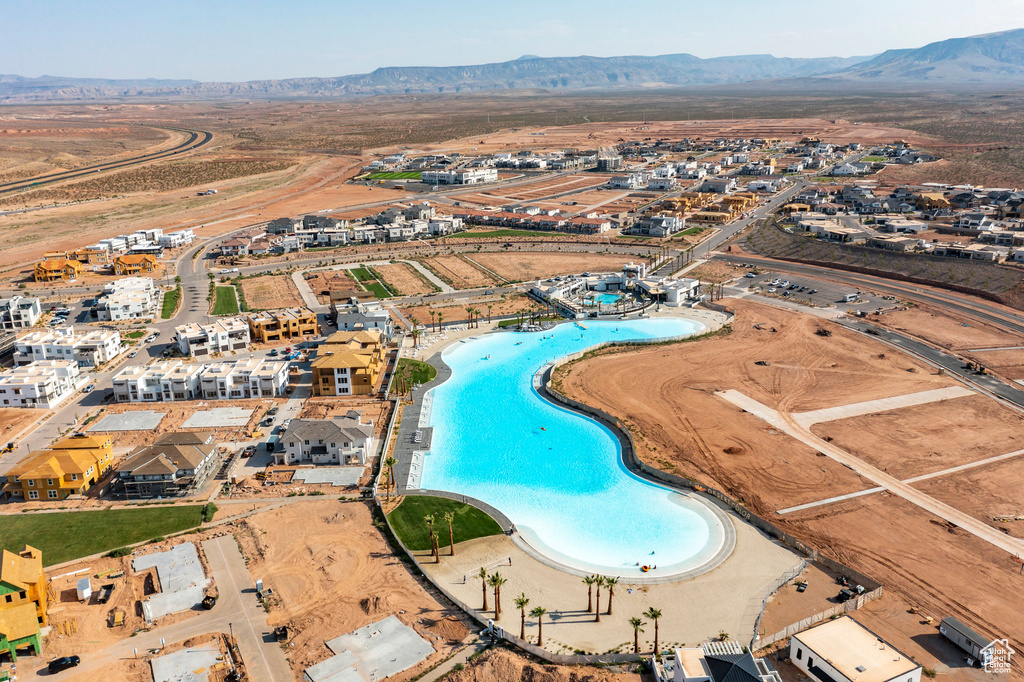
[404, 279]
[524, 267]
[270, 291]
[682, 427]
[459, 272]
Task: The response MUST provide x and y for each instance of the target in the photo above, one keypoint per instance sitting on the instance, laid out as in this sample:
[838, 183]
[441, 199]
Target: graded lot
[270, 291]
[459, 272]
[404, 279]
[522, 267]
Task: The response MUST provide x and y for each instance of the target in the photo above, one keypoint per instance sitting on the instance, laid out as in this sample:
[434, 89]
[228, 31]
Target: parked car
[750, 275]
[89, 389]
[274, 353]
[63, 663]
[133, 353]
[272, 411]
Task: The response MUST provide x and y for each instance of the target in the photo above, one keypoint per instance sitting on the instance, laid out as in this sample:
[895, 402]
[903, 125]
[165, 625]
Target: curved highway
[196, 139]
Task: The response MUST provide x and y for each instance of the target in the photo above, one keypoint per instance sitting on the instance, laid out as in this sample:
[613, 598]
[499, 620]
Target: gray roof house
[341, 440]
[175, 464]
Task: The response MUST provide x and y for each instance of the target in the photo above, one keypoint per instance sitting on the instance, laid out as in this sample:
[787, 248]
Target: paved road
[237, 611]
[196, 139]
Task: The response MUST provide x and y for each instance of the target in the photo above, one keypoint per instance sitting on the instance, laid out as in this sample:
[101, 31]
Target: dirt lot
[456, 312]
[322, 282]
[521, 267]
[13, 420]
[271, 291]
[1007, 363]
[357, 580]
[787, 606]
[325, 408]
[500, 665]
[664, 395]
[459, 272]
[932, 437]
[946, 330]
[715, 271]
[177, 412]
[990, 493]
[404, 279]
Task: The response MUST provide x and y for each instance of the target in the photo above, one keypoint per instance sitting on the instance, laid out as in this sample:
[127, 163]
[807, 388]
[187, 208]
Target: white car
[772, 290]
[225, 271]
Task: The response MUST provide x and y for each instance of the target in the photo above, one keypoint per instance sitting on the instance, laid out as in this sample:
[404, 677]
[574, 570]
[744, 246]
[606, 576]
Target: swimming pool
[556, 474]
[603, 298]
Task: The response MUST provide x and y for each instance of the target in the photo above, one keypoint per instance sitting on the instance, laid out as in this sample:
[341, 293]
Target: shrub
[119, 552]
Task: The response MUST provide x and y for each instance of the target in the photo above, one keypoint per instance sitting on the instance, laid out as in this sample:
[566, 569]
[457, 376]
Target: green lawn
[171, 299]
[422, 372]
[362, 274]
[407, 521]
[369, 281]
[63, 536]
[226, 302]
[504, 233]
[394, 175]
[136, 334]
[874, 159]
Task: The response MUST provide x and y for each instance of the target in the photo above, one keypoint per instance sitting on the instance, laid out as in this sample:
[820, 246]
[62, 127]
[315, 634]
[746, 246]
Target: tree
[610, 583]
[483, 584]
[654, 614]
[522, 601]
[429, 519]
[538, 613]
[433, 314]
[390, 464]
[490, 306]
[440, 322]
[415, 331]
[597, 612]
[496, 581]
[637, 629]
[449, 517]
[589, 582]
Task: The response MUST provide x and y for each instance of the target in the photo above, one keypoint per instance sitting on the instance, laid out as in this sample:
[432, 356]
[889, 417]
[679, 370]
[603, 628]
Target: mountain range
[995, 58]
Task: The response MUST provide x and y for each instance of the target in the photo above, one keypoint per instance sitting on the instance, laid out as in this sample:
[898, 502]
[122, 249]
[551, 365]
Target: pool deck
[409, 457]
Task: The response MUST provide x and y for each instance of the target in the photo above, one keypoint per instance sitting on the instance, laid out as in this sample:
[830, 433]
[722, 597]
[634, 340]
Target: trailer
[105, 592]
[964, 637]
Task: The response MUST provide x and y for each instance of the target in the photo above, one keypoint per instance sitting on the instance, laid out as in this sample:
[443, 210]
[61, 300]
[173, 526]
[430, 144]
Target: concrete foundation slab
[377, 651]
[219, 417]
[181, 580]
[142, 420]
[336, 476]
[187, 665]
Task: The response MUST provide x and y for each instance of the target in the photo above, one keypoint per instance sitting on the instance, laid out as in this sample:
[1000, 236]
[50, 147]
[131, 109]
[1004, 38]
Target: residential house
[894, 243]
[91, 255]
[92, 348]
[631, 181]
[465, 176]
[44, 383]
[161, 381]
[283, 226]
[131, 265]
[237, 246]
[715, 662]
[718, 185]
[276, 325]
[23, 598]
[249, 378]
[57, 270]
[221, 336]
[131, 298]
[658, 226]
[70, 466]
[176, 464]
[19, 312]
[362, 316]
[341, 440]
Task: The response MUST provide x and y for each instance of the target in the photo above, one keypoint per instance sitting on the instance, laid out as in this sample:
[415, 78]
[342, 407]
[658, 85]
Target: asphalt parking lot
[817, 291]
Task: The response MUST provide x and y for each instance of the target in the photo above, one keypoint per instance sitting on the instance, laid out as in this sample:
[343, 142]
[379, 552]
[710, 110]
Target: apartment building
[91, 348]
[44, 383]
[19, 312]
[23, 602]
[57, 270]
[176, 464]
[131, 298]
[167, 380]
[277, 325]
[70, 467]
[249, 378]
[348, 363]
[359, 316]
[341, 440]
[467, 176]
[174, 240]
[226, 334]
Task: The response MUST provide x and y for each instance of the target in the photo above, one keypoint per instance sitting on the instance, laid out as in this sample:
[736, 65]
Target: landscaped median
[225, 301]
[170, 304]
[407, 520]
[63, 536]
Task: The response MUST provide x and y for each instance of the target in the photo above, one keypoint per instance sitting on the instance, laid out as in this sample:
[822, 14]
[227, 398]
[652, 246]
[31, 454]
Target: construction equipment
[820, 331]
[281, 633]
[116, 618]
[8, 448]
[763, 363]
[208, 601]
[105, 592]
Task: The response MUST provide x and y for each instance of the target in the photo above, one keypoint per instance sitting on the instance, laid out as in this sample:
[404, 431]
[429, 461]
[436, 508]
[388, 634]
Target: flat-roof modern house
[201, 340]
[843, 650]
[19, 312]
[714, 662]
[341, 440]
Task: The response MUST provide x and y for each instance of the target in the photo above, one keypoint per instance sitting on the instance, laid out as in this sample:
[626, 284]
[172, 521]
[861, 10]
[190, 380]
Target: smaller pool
[604, 298]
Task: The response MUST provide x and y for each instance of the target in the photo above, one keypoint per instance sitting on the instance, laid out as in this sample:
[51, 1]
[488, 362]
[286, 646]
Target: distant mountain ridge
[994, 58]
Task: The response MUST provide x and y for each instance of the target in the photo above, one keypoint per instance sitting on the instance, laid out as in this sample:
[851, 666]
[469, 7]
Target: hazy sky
[255, 39]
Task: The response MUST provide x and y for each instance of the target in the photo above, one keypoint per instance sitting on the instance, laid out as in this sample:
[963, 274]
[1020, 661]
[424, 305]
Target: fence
[837, 610]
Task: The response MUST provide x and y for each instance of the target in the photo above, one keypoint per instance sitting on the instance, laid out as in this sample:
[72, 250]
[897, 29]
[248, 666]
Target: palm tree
[440, 322]
[449, 517]
[637, 629]
[433, 314]
[610, 583]
[483, 584]
[522, 601]
[599, 580]
[654, 614]
[415, 331]
[589, 582]
[538, 613]
[496, 581]
[390, 464]
[490, 306]
[429, 520]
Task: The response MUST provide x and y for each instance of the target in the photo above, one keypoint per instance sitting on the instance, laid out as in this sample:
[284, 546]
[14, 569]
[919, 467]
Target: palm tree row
[600, 581]
[448, 516]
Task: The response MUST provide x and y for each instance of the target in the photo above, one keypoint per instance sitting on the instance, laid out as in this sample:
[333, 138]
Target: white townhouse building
[161, 381]
[91, 348]
[19, 312]
[44, 383]
[197, 340]
[249, 378]
[341, 440]
[131, 298]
